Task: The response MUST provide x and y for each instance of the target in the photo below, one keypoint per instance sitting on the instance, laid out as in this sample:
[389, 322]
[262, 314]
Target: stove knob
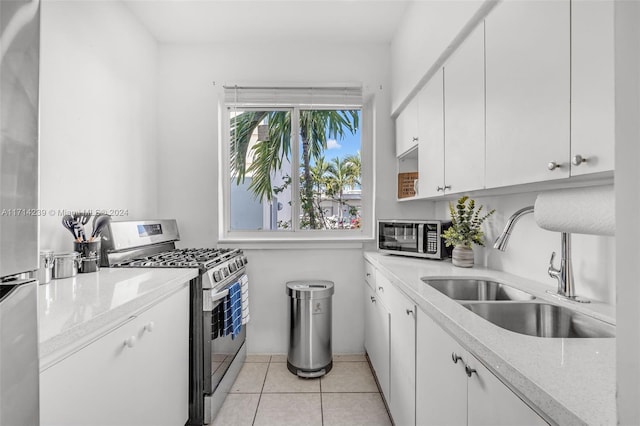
[225, 270]
[233, 267]
[239, 262]
[245, 260]
[217, 276]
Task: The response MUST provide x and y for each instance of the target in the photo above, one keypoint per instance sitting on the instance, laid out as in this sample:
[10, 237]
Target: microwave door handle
[421, 238]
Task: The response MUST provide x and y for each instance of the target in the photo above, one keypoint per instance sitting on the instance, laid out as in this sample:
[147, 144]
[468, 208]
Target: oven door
[219, 350]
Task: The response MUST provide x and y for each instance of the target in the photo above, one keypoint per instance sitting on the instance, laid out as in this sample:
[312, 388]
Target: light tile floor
[266, 393]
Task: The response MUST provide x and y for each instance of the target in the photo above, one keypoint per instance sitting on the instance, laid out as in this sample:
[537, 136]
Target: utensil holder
[89, 255]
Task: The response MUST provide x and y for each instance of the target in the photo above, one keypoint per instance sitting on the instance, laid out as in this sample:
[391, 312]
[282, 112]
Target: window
[294, 164]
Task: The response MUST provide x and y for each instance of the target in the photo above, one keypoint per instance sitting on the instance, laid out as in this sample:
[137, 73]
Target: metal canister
[46, 266]
[66, 265]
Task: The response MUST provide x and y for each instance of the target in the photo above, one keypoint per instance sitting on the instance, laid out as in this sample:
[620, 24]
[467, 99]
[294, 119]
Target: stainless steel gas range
[215, 356]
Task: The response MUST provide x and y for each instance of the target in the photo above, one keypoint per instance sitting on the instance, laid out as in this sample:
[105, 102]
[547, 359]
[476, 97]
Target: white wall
[190, 80]
[97, 114]
[425, 31]
[627, 16]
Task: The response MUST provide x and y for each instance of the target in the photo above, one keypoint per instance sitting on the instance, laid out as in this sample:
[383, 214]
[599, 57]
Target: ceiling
[260, 21]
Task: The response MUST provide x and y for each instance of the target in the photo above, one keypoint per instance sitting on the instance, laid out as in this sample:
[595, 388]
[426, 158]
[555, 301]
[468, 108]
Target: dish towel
[244, 284]
[235, 296]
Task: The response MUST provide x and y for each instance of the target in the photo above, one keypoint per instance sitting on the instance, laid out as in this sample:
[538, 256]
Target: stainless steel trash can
[310, 328]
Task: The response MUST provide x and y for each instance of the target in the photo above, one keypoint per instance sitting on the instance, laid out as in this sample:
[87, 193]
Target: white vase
[462, 256]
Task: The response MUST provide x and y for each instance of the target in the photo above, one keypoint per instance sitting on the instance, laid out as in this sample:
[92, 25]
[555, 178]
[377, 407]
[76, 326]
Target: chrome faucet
[564, 275]
[503, 239]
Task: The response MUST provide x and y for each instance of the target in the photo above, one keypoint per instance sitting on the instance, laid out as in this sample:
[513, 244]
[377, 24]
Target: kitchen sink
[476, 289]
[542, 320]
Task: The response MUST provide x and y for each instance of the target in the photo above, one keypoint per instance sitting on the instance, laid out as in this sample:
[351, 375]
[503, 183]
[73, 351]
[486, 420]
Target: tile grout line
[255, 415]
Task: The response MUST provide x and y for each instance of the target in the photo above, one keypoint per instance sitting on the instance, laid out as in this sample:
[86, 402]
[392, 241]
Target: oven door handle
[220, 295]
[210, 302]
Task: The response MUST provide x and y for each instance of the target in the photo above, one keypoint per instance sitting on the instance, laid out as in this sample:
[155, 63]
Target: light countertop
[570, 381]
[72, 312]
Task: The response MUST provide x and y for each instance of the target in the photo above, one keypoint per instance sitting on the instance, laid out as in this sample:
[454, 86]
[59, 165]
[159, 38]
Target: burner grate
[203, 258]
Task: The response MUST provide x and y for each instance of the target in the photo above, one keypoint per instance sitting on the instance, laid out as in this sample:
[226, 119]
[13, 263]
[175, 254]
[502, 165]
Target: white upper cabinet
[464, 116]
[431, 145]
[592, 86]
[527, 92]
[407, 128]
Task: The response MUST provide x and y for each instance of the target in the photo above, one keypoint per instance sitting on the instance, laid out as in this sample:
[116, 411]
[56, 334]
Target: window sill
[294, 243]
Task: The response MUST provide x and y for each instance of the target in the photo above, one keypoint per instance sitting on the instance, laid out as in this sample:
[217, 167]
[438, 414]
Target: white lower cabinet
[376, 339]
[137, 374]
[454, 388]
[403, 359]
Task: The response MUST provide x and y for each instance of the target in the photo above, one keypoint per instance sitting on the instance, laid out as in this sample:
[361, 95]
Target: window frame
[367, 145]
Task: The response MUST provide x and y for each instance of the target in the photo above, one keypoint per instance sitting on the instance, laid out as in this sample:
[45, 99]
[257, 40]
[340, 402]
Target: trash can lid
[310, 289]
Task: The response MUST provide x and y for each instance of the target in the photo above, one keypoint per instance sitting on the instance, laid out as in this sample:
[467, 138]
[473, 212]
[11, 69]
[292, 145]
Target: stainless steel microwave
[418, 238]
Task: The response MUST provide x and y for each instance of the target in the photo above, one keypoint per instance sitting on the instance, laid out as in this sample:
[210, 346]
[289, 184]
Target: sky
[348, 145]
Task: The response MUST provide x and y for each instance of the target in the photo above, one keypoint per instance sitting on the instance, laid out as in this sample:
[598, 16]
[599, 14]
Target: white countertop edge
[441, 309]
[61, 346]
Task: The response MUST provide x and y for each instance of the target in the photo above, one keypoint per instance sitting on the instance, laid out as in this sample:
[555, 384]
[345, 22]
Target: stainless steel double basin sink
[518, 311]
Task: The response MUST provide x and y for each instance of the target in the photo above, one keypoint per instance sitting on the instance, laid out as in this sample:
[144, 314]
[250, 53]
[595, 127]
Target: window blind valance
[338, 97]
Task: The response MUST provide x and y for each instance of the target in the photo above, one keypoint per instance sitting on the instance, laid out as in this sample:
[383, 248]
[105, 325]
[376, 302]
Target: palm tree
[354, 162]
[340, 176]
[316, 126]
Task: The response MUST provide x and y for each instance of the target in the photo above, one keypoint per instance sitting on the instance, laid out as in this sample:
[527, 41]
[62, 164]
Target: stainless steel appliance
[417, 238]
[19, 258]
[214, 358]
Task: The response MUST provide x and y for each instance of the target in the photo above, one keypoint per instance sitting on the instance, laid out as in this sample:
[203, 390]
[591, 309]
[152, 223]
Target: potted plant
[465, 230]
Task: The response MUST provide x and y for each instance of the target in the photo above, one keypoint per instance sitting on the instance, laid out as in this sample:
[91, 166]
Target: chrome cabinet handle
[130, 342]
[578, 159]
[469, 370]
[447, 187]
[368, 274]
[373, 299]
[553, 165]
[455, 357]
[439, 188]
[409, 312]
[415, 139]
[381, 289]
[150, 326]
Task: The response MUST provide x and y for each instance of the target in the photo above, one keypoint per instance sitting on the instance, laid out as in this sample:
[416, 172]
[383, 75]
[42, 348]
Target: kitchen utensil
[69, 223]
[99, 222]
[81, 219]
[66, 265]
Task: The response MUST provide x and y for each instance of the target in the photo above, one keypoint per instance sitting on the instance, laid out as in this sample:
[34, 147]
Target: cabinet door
[407, 128]
[403, 359]
[490, 402]
[592, 86]
[163, 348]
[527, 92]
[94, 386]
[441, 383]
[431, 145]
[464, 116]
[377, 338]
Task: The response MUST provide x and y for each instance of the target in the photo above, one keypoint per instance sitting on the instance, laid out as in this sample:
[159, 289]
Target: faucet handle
[553, 272]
